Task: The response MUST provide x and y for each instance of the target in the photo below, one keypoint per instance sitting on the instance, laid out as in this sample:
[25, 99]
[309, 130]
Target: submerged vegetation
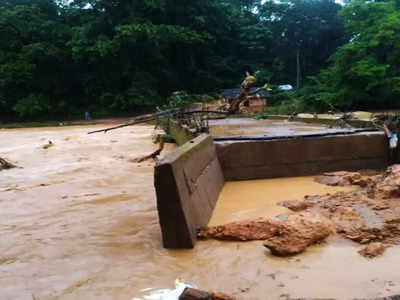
[62, 58]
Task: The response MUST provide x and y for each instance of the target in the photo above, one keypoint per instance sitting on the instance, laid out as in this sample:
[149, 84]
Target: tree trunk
[298, 68]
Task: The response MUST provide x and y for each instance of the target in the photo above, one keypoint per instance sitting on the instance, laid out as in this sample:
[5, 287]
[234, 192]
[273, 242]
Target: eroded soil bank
[79, 221]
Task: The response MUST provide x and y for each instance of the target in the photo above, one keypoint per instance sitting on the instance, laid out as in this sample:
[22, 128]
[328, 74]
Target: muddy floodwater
[250, 199]
[79, 221]
[248, 126]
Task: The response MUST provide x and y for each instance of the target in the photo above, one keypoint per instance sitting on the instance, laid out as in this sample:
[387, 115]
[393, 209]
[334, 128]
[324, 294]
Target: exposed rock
[298, 232]
[296, 205]
[341, 178]
[373, 250]
[287, 236]
[390, 186]
[259, 229]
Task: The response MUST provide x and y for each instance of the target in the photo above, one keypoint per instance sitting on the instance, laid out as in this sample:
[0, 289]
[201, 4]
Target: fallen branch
[4, 165]
[153, 155]
[137, 120]
[151, 117]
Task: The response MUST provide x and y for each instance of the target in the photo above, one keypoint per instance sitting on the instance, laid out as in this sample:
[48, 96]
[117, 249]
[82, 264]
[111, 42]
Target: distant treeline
[60, 58]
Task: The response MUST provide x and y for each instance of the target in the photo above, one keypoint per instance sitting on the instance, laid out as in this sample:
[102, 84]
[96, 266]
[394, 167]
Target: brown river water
[249, 126]
[79, 221]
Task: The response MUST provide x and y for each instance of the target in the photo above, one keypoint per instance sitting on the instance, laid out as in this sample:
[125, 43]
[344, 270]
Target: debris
[259, 229]
[298, 232]
[390, 186]
[184, 291]
[7, 260]
[368, 215]
[194, 294]
[373, 250]
[48, 145]
[4, 165]
[167, 294]
[151, 117]
[341, 178]
[220, 296]
[287, 236]
[296, 205]
[153, 155]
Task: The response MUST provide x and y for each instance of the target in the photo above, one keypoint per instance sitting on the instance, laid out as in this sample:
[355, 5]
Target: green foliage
[365, 72]
[261, 116]
[61, 58]
[32, 106]
[180, 99]
[287, 107]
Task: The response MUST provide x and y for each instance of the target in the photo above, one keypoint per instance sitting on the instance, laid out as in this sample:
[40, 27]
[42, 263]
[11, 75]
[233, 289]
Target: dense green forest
[61, 58]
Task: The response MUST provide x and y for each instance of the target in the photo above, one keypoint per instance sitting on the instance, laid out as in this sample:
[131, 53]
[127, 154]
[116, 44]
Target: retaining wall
[301, 156]
[188, 182]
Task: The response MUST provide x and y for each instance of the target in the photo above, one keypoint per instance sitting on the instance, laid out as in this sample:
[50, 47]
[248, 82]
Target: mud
[297, 232]
[390, 186]
[287, 235]
[343, 178]
[259, 229]
[251, 199]
[370, 214]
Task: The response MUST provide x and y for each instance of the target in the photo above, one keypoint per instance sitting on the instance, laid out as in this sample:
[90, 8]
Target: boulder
[389, 187]
[298, 232]
[259, 229]
[341, 178]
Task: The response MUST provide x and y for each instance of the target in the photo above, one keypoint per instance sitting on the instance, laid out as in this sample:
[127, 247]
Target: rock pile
[370, 215]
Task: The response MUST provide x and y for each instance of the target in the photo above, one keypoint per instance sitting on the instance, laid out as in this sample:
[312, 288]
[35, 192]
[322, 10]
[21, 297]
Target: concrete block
[188, 182]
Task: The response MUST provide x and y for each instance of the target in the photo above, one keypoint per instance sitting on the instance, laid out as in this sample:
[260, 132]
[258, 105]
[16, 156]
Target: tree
[60, 58]
[305, 33]
[365, 72]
